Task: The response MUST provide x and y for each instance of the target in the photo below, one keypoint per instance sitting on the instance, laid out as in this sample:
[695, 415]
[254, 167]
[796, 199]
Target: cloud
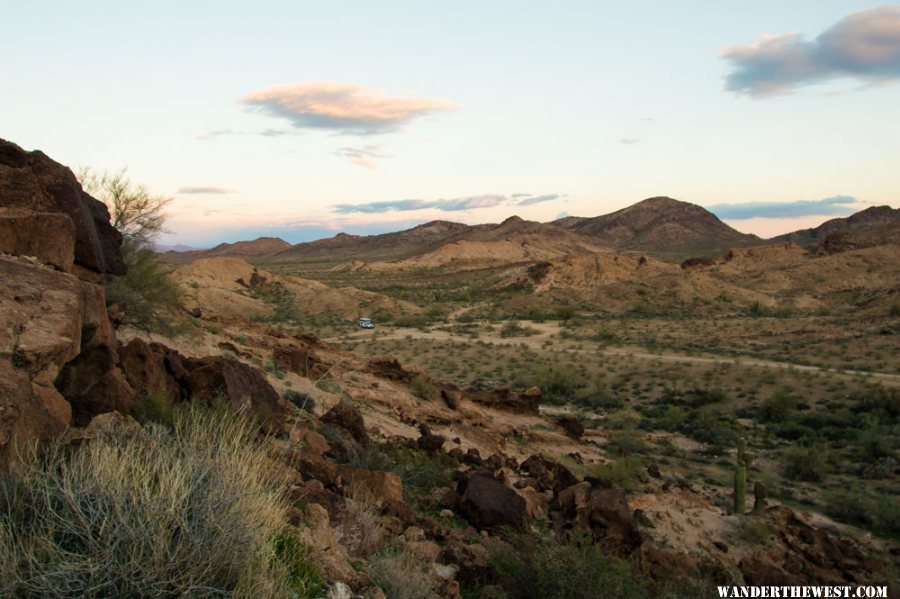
[538, 199]
[451, 205]
[837, 205]
[341, 107]
[363, 156]
[629, 140]
[864, 45]
[224, 132]
[203, 190]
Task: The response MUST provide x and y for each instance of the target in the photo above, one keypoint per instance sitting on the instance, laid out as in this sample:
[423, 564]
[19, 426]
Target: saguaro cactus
[742, 464]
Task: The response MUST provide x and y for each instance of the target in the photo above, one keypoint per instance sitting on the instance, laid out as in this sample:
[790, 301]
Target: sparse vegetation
[184, 512]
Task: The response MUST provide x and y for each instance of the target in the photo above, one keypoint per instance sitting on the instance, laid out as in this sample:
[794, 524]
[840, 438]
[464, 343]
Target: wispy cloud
[864, 45]
[451, 205]
[538, 199]
[837, 205]
[203, 190]
[629, 140]
[226, 132]
[364, 156]
[341, 107]
[446, 205]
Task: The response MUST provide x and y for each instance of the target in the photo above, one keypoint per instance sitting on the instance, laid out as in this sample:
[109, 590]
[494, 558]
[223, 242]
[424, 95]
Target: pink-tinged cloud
[342, 107]
[864, 45]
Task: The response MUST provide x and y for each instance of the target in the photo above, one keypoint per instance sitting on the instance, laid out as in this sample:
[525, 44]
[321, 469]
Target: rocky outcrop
[57, 346]
[31, 181]
[506, 399]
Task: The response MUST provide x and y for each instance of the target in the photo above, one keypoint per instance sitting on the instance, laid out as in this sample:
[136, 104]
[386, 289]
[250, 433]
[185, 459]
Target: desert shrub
[791, 430]
[513, 329]
[558, 383]
[703, 396]
[777, 407]
[423, 388]
[883, 403]
[155, 407]
[329, 386]
[755, 532]
[412, 321]
[674, 419]
[625, 473]
[598, 396]
[565, 313]
[534, 565]
[878, 513]
[400, 575]
[419, 470]
[185, 512]
[149, 297]
[806, 463]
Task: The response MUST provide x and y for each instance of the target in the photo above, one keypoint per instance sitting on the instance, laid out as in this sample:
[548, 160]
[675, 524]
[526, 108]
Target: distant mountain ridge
[875, 217]
[660, 227]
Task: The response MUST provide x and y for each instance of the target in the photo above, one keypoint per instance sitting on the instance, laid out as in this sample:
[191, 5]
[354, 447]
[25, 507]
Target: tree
[149, 298]
[139, 216]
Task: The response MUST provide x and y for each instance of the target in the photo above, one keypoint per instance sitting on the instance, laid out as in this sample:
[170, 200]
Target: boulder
[429, 441]
[487, 503]
[212, 378]
[571, 425]
[348, 417]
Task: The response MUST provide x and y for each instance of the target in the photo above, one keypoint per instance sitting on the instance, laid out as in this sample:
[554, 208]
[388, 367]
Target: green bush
[155, 407]
[535, 566]
[806, 463]
[186, 512]
[149, 298]
[424, 389]
[777, 407]
[878, 513]
[419, 470]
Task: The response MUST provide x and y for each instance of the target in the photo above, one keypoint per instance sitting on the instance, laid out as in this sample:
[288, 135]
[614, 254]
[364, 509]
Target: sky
[301, 119]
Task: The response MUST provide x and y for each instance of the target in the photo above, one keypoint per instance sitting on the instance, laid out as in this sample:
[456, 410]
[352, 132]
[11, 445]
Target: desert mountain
[875, 217]
[258, 247]
[661, 227]
[512, 241]
[376, 248]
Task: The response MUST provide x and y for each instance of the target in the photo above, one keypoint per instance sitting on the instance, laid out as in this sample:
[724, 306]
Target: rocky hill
[875, 217]
[661, 227]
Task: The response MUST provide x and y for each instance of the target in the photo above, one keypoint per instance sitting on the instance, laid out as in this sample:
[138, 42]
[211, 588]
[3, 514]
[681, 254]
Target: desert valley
[641, 403]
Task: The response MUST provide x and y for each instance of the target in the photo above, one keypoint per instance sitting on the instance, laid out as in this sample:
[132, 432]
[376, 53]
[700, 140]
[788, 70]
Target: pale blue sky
[601, 104]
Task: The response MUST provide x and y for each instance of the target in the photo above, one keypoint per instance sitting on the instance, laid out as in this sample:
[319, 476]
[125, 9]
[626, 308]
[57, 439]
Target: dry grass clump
[400, 575]
[184, 512]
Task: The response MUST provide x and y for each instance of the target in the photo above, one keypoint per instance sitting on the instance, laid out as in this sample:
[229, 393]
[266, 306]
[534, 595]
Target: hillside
[661, 227]
[386, 247]
[875, 217]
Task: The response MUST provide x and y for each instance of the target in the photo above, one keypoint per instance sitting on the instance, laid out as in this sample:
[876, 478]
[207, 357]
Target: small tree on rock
[150, 299]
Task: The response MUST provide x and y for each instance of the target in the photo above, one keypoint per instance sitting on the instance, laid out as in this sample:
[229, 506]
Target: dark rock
[32, 181]
[653, 470]
[348, 417]
[505, 399]
[428, 441]
[571, 425]
[488, 504]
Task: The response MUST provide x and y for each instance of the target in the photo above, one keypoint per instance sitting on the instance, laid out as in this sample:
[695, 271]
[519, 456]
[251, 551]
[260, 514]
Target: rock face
[31, 181]
[56, 341]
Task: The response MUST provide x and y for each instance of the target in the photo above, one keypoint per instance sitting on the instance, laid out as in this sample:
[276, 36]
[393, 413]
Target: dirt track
[547, 330]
